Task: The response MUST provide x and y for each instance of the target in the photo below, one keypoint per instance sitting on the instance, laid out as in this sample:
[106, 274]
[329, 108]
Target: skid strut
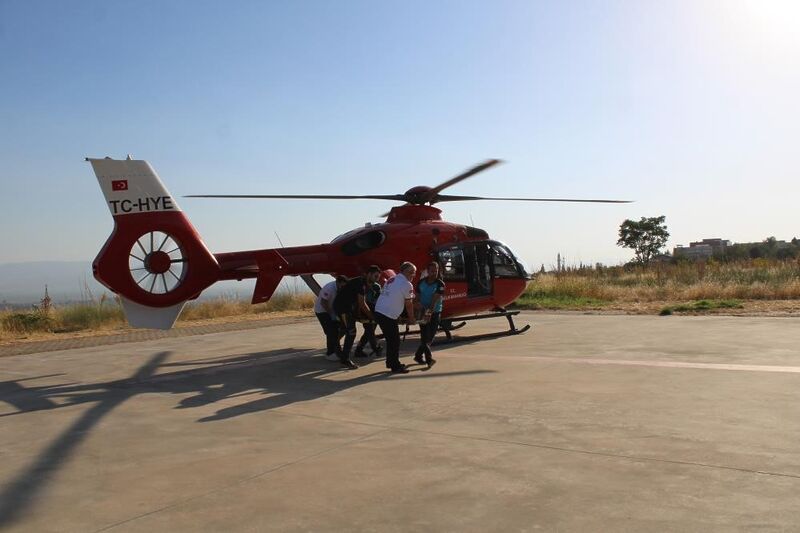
[509, 315]
[451, 324]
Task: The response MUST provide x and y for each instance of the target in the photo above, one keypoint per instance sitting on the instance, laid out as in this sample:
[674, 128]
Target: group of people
[343, 302]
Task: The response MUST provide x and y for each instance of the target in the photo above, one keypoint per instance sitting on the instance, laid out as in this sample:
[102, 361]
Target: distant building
[699, 251]
[704, 249]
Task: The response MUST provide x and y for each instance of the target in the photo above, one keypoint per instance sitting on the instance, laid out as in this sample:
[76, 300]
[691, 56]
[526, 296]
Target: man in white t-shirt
[323, 308]
[397, 295]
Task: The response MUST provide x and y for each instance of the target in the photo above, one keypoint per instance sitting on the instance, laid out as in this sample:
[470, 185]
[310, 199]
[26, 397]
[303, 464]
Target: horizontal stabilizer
[271, 265]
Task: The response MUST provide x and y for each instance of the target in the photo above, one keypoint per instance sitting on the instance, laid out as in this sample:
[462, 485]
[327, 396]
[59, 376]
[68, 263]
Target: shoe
[331, 357]
[347, 363]
[359, 352]
[419, 359]
[430, 362]
[377, 351]
[399, 370]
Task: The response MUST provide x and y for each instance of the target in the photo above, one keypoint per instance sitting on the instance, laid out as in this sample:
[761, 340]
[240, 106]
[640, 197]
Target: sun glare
[777, 19]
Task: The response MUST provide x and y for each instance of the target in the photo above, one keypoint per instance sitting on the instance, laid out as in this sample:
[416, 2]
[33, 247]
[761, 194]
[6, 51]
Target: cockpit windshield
[505, 263]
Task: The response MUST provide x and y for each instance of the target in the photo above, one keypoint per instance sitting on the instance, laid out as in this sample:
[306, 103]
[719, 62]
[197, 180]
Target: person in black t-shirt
[349, 300]
[373, 291]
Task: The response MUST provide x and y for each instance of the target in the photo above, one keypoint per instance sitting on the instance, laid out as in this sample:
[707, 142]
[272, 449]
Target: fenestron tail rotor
[157, 262]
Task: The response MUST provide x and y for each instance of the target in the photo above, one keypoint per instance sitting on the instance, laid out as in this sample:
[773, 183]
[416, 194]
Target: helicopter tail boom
[154, 258]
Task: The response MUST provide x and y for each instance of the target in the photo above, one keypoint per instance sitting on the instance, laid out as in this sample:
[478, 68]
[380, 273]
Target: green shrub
[701, 306]
[27, 322]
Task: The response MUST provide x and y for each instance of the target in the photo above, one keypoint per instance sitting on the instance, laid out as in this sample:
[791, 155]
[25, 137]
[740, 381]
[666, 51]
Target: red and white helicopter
[156, 261]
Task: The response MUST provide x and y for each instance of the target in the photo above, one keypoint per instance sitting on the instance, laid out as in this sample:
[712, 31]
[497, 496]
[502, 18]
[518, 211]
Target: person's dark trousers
[331, 329]
[348, 321]
[391, 332]
[368, 337]
[426, 334]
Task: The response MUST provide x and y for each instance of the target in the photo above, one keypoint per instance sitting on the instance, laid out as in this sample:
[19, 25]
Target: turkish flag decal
[119, 185]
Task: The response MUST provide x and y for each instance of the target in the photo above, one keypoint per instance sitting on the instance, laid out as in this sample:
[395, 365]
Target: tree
[645, 237]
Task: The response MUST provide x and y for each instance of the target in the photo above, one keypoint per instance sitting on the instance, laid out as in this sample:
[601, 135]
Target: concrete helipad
[585, 423]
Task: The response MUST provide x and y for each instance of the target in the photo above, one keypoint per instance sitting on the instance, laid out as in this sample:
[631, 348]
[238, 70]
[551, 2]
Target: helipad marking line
[658, 364]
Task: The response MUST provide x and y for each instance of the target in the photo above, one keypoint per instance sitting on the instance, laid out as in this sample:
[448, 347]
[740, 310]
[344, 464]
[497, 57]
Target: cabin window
[452, 262]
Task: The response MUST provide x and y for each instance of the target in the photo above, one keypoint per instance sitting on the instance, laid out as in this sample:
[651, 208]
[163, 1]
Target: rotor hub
[157, 262]
[417, 195]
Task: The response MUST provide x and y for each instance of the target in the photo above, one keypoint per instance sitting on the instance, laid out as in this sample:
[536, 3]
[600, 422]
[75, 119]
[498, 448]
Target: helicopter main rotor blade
[434, 192]
[453, 198]
[398, 197]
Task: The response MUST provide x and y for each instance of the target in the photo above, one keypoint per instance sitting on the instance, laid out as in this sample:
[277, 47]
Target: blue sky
[688, 107]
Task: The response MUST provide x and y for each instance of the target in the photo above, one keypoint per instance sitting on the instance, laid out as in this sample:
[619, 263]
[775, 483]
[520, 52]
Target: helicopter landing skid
[451, 324]
[447, 327]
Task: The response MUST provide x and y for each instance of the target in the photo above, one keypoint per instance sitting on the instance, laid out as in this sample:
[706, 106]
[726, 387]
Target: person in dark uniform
[373, 290]
[348, 302]
[430, 292]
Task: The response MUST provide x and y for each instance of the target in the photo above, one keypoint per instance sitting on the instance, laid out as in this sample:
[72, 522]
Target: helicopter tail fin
[154, 259]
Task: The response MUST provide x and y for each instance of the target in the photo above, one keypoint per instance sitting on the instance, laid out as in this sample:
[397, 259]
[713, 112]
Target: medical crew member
[323, 308]
[397, 295]
[371, 294]
[349, 301]
[430, 293]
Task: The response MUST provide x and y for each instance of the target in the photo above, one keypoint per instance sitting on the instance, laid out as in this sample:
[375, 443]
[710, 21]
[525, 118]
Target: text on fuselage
[142, 205]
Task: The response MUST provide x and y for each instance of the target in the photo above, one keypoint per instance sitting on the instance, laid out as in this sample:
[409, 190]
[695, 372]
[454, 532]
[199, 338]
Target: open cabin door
[478, 269]
[470, 263]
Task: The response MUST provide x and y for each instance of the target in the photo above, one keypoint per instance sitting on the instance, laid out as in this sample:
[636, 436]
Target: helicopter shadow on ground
[17, 495]
[440, 343]
[274, 379]
[282, 382]
[287, 375]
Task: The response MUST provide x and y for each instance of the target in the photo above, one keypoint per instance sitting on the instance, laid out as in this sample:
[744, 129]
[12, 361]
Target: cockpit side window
[503, 262]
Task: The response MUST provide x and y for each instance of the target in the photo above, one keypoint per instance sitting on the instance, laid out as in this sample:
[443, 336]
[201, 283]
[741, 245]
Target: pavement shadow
[17, 495]
[283, 376]
[274, 378]
[26, 399]
[37, 398]
[287, 380]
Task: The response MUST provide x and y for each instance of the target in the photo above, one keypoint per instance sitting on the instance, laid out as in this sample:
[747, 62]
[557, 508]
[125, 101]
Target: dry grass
[224, 307]
[633, 289]
[757, 279]
[107, 315]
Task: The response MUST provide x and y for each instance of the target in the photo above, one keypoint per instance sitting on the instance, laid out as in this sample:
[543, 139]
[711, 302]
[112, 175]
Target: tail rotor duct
[157, 262]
